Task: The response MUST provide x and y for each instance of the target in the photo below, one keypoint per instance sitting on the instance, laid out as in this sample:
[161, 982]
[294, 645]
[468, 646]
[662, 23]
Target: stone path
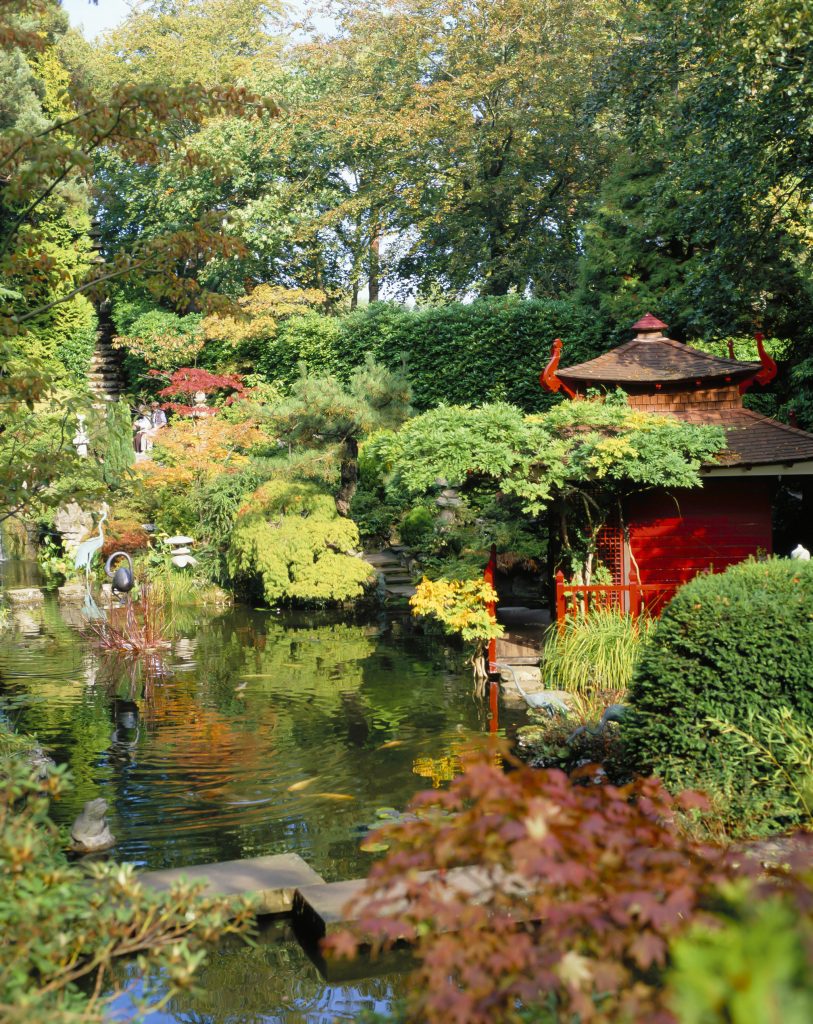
[271, 880]
[389, 564]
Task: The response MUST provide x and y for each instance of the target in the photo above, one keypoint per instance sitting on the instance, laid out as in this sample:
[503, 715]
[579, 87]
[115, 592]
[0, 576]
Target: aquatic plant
[136, 630]
[598, 651]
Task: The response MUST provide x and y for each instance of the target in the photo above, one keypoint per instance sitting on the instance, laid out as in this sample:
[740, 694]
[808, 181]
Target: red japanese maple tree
[575, 894]
[189, 380]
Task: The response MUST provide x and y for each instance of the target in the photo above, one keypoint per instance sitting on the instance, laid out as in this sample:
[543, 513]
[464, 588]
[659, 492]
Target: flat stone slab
[380, 559]
[271, 880]
[321, 909]
[25, 597]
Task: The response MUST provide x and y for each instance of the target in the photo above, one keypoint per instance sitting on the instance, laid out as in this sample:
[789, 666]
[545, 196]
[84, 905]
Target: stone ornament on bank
[91, 833]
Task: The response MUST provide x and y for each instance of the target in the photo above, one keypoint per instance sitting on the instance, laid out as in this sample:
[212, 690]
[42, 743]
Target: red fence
[633, 598]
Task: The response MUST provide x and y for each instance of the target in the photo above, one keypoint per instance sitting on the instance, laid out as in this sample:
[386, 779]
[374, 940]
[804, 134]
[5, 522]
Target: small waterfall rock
[91, 832]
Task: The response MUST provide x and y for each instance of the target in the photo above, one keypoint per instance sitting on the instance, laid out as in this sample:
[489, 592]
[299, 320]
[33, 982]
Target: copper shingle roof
[648, 322]
[659, 360]
[754, 440]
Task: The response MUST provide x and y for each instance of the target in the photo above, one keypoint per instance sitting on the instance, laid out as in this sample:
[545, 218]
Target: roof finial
[649, 326]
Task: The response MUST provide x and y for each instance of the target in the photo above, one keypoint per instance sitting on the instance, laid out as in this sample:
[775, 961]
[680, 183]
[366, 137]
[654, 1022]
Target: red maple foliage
[576, 894]
[189, 380]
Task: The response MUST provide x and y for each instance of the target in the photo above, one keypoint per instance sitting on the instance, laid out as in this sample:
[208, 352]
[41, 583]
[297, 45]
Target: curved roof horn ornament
[548, 378]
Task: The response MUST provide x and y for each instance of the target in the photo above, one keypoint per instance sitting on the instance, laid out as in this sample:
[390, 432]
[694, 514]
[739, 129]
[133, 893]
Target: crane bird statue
[86, 551]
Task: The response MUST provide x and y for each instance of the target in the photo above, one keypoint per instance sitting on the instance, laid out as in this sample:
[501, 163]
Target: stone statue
[91, 832]
[74, 524]
[81, 439]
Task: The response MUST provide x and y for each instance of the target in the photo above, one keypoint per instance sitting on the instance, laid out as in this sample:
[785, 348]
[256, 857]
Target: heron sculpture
[538, 701]
[86, 551]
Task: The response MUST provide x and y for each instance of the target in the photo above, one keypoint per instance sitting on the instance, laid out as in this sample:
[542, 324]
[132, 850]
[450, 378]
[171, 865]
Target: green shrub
[748, 965]
[118, 453]
[728, 647]
[598, 652]
[417, 526]
[485, 351]
[78, 340]
[291, 537]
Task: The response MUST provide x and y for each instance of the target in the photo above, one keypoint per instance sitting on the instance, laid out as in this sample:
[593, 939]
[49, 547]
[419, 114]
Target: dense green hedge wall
[734, 647]
[487, 350]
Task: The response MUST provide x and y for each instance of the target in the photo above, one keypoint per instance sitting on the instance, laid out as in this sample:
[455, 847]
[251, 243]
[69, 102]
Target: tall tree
[466, 125]
[722, 93]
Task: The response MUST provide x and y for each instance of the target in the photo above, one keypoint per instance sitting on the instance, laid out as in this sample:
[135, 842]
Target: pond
[262, 733]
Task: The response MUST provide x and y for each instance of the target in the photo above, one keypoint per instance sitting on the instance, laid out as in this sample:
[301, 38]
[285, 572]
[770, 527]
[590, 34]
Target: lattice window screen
[610, 550]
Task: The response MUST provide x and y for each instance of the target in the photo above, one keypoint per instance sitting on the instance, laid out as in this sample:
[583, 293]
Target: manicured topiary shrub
[734, 648]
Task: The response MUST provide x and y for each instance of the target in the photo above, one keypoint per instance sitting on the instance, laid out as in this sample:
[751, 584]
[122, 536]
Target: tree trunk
[375, 262]
[349, 477]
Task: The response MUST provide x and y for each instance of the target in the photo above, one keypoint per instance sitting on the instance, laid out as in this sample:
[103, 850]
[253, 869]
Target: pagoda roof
[656, 360]
[753, 439]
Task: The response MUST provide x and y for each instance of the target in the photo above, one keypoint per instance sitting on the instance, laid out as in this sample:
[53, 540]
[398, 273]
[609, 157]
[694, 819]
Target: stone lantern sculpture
[81, 439]
[200, 408]
[180, 552]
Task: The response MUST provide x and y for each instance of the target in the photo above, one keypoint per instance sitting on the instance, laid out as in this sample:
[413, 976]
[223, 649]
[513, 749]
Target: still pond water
[264, 733]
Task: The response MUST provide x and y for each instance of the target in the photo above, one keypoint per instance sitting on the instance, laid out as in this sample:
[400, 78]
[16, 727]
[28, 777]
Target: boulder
[74, 525]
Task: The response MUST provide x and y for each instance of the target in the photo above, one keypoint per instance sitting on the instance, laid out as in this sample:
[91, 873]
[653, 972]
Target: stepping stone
[321, 909]
[381, 559]
[25, 597]
[271, 880]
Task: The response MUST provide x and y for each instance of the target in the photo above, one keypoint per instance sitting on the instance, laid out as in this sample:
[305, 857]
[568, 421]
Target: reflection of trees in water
[254, 705]
[276, 982]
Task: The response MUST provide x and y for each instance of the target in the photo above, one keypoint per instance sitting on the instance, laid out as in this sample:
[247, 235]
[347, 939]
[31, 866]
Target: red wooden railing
[488, 576]
[633, 598]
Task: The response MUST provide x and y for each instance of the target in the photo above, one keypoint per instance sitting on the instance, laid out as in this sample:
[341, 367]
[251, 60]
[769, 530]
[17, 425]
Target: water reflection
[275, 983]
[262, 734]
[212, 761]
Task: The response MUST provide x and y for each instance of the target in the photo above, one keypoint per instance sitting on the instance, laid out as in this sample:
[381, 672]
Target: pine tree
[636, 261]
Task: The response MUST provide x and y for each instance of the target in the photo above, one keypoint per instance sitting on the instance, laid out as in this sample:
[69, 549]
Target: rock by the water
[41, 763]
[25, 597]
[74, 524]
[91, 832]
[72, 593]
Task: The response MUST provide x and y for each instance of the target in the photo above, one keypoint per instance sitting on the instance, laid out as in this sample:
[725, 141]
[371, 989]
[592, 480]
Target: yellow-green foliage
[461, 606]
[291, 536]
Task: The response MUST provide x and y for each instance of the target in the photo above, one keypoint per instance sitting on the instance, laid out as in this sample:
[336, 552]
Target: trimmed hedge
[733, 647]
[463, 353]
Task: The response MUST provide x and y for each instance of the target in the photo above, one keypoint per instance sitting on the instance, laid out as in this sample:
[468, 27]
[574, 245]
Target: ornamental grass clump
[598, 651]
[730, 651]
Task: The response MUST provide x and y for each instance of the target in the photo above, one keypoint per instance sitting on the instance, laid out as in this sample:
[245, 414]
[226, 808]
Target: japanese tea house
[674, 535]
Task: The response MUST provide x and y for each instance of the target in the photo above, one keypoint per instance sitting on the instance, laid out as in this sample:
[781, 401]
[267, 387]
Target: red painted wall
[673, 537]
